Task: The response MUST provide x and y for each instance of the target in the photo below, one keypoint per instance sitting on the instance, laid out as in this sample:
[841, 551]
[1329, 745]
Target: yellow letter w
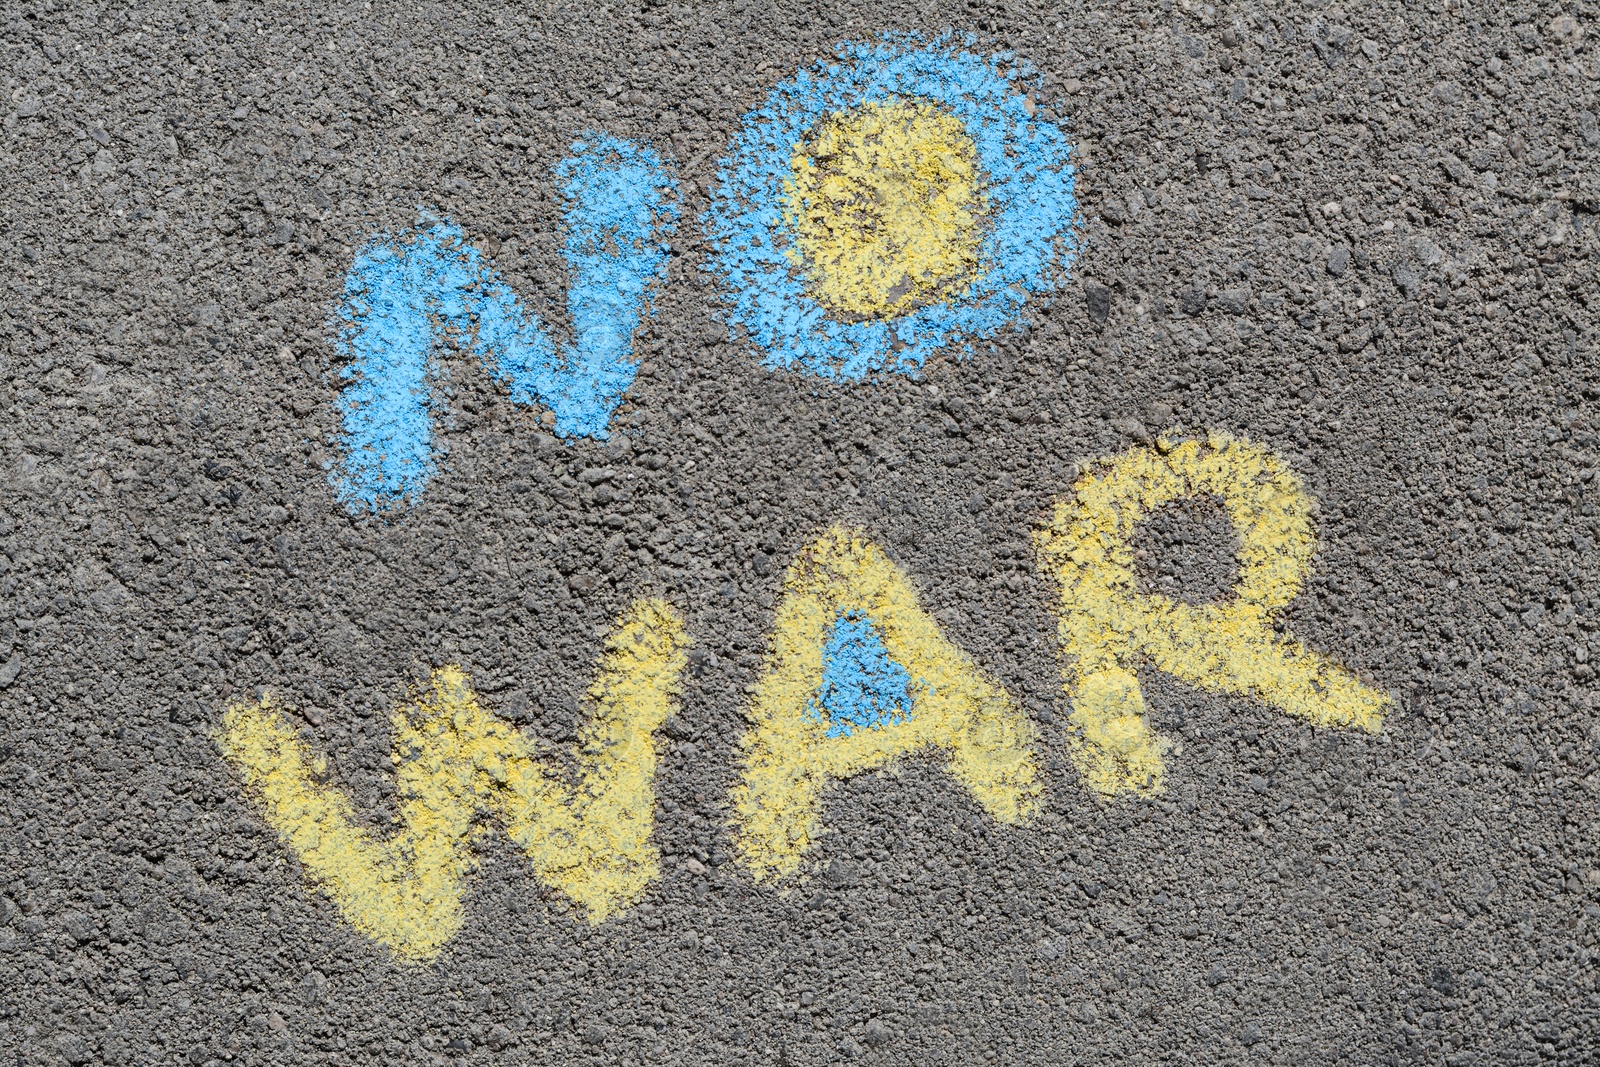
[457, 763]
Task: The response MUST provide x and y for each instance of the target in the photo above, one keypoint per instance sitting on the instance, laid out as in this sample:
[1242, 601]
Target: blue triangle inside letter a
[862, 687]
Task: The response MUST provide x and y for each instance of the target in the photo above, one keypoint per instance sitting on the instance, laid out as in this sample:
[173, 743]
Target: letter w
[456, 763]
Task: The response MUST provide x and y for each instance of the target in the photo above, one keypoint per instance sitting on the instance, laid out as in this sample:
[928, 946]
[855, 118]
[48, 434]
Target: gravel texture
[1363, 236]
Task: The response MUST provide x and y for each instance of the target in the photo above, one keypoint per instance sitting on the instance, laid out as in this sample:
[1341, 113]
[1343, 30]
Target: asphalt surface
[1361, 236]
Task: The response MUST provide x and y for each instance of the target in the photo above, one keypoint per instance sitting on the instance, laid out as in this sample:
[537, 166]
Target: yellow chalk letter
[1107, 624]
[857, 675]
[456, 764]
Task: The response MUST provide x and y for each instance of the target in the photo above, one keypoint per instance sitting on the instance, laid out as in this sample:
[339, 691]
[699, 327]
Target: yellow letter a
[858, 674]
[456, 763]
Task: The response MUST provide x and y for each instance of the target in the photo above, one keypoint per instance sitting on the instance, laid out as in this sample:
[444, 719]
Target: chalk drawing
[403, 296]
[863, 688]
[859, 674]
[886, 209]
[455, 763]
[1108, 626]
[876, 210]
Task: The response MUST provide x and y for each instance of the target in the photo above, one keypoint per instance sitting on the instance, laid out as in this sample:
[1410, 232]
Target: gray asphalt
[1362, 236]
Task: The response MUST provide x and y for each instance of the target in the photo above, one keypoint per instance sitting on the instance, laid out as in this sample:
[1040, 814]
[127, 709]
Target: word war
[901, 201]
[857, 676]
[400, 298]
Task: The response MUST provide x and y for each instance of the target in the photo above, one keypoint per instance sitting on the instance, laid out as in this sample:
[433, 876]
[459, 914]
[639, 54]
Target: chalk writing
[454, 762]
[908, 689]
[857, 676]
[876, 210]
[401, 297]
[1107, 624]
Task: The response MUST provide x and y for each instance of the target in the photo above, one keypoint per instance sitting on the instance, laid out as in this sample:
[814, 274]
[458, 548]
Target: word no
[869, 213]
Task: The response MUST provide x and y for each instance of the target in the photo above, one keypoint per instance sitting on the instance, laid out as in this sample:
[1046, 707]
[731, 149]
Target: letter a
[858, 674]
[455, 763]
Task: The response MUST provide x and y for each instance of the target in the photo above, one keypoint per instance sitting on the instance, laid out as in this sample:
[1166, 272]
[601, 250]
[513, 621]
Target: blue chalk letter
[401, 296]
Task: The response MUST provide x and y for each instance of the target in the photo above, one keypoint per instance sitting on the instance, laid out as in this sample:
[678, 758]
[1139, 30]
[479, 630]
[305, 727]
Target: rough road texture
[1362, 236]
